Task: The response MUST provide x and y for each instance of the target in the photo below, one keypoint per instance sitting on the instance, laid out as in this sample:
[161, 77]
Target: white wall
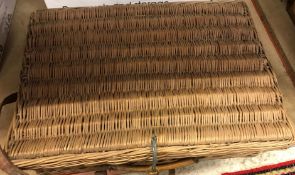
[86, 3]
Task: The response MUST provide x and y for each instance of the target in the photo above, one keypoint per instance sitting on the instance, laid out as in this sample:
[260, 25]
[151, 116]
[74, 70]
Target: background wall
[86, 3]
[6, 10]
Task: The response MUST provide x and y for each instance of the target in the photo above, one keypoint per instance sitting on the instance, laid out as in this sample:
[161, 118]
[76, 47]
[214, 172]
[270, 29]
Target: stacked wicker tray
[98, 82]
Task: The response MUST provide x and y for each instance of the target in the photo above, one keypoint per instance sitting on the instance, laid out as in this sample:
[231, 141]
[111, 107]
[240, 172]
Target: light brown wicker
[98, 82]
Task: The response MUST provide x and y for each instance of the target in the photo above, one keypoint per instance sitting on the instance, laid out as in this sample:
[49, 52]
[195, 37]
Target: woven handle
[5, 163]
[119, 169]
[163, 167]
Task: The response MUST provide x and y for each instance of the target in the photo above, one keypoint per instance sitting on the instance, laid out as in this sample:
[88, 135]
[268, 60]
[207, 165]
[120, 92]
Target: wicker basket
[98, 83]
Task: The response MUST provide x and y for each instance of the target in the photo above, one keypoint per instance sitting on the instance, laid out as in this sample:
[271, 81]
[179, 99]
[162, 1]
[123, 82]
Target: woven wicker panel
[97, 82]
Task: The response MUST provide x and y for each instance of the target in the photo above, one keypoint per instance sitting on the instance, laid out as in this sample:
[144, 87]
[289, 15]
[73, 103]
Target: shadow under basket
[136, 86]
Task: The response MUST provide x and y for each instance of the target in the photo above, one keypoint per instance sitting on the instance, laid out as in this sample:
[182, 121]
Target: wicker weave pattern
[96, 82]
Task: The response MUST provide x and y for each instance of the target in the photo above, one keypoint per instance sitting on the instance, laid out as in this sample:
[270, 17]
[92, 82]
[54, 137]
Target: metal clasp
[154, 170]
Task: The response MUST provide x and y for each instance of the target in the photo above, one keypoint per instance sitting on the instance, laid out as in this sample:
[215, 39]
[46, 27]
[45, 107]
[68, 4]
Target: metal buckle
[154, 170]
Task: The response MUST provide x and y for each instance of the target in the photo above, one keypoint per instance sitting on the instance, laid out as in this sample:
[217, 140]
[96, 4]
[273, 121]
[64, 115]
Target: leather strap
[9, 99]
[5, 164]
